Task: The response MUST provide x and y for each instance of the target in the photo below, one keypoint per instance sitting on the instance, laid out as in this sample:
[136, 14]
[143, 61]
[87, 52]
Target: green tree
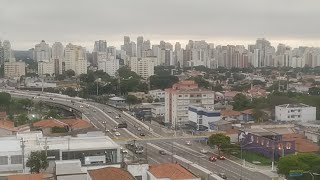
[60, 77]
[303, 162]
[125, 73]
[53, 113]
[162, 81]
[70, 92]
[314, 91]
[150, 99]
[132, 99]
[220, 140]
[5, 99]
[259, 115]
[200, 81]
[37, 161]
[22, 119]
[217, 88]
[241, 102]
[69, 73]
[26, 103]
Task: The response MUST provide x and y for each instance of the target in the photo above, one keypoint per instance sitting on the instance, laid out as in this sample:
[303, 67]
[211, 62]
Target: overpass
[161, 139]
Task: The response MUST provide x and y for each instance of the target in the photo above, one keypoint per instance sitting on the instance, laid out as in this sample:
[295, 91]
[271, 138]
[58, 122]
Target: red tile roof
[247, 111]
[229, 112]
[77, 123]
[26, 177]
[7, 123]
[303, 145]
[49, 123]
[110, 173]
[171, 171]
[232, 131]
[3, 115]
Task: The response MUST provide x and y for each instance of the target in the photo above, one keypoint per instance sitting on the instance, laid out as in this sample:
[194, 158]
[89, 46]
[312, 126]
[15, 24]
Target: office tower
[75, 59]
[144, 67]
[180, 96]
[177, 46]
[262, 44]
[162, 45]
[133, 49]
[168, 46]
[42, 52]
[139, 46]
[100, 46]
[46, 67]
[57, 57]
[146, 45]
[112, 51]
[108, 63]
[7, 52]
[156, 52]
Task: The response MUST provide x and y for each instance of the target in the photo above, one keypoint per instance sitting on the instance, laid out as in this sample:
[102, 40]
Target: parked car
[222, 175]
[117, 133]
[212, 159]
[107, 130]
[188, 143]
[203, 151]
[162, 152]
[139, 129]
[124, 151]
[142, 134]
[117, 117]
[221, 158]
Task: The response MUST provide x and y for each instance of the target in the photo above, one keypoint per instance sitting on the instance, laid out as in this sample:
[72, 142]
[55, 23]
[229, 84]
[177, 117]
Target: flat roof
[116, 99]
[298, 105]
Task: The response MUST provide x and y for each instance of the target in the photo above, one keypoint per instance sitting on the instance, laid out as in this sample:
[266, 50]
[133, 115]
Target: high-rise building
[108, 63]
[75, 59]
[14, 69]
[112, 51]
[58, 57]
[42, 52]
[46, 67]
[7, 52]
[100, 46]
[139, 46]
[144, 67]
[146, 45]
[1, 54]
[180, 96]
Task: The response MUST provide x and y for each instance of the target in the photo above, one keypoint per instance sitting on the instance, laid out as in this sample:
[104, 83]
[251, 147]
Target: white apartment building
[295, 112]
[144, 67]
[7, 52]
[180, 96]
[14, 69]
[200, 118]
[58, 56]
[157, 94]
[107, 63]
[42, 51]
[46, 67]
[75, 59]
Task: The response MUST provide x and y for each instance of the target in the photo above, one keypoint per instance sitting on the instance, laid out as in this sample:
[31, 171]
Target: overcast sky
[27, 22]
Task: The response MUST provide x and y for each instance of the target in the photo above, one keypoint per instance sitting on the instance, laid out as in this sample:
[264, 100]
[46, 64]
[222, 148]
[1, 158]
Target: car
[124, 151]
[188, 143]
[222, 175]
[221, 157]
[117, 117]
[51, 99]
[94, 110]
[114, 130]
[87, 106]
[212, 159]
[109, 111]
[117, 133]
[142, 134]
[107, 130]
[81, 106]
[203, 151]
[139, 129]
[162, 152]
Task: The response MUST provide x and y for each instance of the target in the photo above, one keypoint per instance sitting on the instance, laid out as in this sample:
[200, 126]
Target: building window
[262, 142]
[288, 145]
[3, 160]
[17, 159]
[288, 116]
[180, 95]
[200, 121]
[280, 146]
[204, 95]
[251, 138]
[191, 95]
[200, 116]
[186, 95]
[257, 140]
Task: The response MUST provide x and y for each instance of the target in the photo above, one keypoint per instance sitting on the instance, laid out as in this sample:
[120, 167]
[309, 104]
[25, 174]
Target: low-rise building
[200, 118]
[157, 110]
[90, 148]
[295, 112]
[157, 94]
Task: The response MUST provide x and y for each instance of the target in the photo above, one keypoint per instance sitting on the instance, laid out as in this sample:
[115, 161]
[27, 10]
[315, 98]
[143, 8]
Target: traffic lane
[157, 158]
[226, 163]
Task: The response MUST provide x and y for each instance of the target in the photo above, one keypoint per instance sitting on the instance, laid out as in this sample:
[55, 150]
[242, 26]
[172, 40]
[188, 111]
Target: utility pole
[22, 145]
[45, 146]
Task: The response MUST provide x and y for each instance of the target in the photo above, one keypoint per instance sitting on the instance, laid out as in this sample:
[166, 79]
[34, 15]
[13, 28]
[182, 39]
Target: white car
[188, 143]
[81, 106]
[139, 129]
[114, 130]
[117, 117]
[117, 133]
[107, 130]
[124, 150]
[203, 151]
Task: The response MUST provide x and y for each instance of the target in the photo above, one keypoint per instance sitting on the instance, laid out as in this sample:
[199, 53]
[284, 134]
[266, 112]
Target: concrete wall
[138, 170]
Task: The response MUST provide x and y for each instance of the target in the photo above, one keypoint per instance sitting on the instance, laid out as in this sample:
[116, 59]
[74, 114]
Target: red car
[221, 157]
[212, 158]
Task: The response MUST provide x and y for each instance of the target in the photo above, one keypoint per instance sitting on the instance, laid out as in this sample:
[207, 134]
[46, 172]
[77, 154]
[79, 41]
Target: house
[314, 136]
[230, 114]
[110, 173]
[46, 125]
[7, 127]
[246, 115]
[117, 102]
[170, 171]
[26, 177]
[157, 94]
[229, 95]
[200, 117]
[295, 112]
[221, 125]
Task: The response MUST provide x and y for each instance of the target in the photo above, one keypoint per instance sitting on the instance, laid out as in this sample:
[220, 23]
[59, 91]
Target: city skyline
[219, 22]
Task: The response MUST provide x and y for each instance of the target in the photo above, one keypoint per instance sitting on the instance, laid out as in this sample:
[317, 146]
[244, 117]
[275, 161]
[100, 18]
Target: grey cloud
[27, 22]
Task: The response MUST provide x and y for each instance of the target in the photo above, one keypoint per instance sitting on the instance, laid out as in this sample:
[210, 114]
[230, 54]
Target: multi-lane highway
[106, 117]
